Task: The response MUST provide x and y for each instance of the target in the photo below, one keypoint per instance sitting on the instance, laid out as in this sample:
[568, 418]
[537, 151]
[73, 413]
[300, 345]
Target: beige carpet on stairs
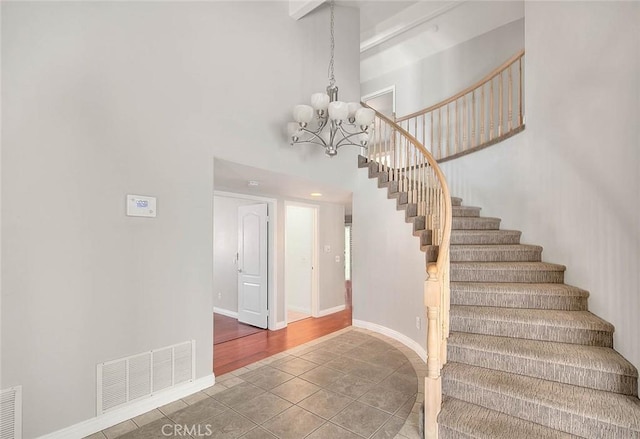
[526, 357]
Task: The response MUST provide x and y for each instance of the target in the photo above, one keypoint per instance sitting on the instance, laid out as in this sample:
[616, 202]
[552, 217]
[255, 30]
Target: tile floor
[351, 384]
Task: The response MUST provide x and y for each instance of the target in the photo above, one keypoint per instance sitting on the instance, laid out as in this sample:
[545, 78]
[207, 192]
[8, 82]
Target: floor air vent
[138, 376]
[11, 413]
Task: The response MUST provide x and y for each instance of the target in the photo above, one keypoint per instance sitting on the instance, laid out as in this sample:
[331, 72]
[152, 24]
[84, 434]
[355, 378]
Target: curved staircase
[526, 359]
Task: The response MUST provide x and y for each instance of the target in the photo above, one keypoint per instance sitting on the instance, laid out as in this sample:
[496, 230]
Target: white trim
[408, 342]
[225, 312]
[376, 94]
[272, 270]
[387, 34]
[299, 309]
[279, 325]
[98, 423]
[298, 9]
[335, 309]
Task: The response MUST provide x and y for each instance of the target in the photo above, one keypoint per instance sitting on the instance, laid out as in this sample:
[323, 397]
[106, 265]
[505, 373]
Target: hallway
[234, 354]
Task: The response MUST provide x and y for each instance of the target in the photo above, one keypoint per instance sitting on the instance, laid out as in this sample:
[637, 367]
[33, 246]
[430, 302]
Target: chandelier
[328, 122]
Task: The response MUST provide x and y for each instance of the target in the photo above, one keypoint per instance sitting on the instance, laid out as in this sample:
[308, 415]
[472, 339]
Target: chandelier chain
[332, 79]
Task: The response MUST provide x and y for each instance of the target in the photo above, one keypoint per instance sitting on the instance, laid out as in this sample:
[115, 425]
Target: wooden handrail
[478, 120]
[467, 90]
[394, 151]
[443, 181]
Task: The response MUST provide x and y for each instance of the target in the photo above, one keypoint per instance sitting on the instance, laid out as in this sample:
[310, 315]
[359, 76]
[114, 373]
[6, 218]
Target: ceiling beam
[405, 21]
[300, 8]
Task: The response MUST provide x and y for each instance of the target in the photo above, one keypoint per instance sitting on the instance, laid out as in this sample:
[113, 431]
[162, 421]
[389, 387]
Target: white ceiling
[234, 177]
[426, 28]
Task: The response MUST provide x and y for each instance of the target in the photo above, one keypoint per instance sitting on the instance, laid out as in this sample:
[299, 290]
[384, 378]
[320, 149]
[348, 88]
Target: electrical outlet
[417, 322]
[219, 295]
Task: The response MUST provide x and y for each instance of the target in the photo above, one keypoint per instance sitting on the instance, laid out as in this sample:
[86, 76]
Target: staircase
[526, 359]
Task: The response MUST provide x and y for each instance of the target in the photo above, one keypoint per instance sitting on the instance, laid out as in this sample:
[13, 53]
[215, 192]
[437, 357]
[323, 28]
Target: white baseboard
[225, 312]
[411, 344]
[94, 425]
[299, 309]
[326, 312]
[279, 325]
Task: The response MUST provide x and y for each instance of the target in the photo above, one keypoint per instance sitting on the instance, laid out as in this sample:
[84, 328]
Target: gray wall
[444, 74]
[105, 99]
[388, 267]
[571, 180]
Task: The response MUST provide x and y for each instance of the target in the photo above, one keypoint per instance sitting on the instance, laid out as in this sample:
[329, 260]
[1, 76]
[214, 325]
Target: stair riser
[418, 224]
[458, 238]
[531, 331]
[491, 255]
[484, 275]
[555, 418]
[468, 223]
[509, 300]
[591, 378]
[402, 198]
[410, 210]
[445, 432]
[466, 212]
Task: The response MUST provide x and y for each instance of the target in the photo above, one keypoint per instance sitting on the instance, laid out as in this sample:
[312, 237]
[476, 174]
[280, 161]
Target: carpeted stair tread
[576, 410]
[462, 420]
[474, 223]
[529, 272]
[578, 327]
[586, 366]
[519, 295]
[479, 237]
[496, 253]
[566, 319]
[465, 211]
[455, 201]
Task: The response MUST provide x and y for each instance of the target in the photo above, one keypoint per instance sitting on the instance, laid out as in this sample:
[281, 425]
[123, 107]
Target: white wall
[571, 180]
[388, 267]
[225, 249]
[298, 257]
[104, 99]
[330, 271]
[445, 73]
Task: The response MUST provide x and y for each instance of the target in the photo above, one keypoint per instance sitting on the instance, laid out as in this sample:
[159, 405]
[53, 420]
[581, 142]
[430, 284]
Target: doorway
[225, 264]
[300, 261]
[383, 101]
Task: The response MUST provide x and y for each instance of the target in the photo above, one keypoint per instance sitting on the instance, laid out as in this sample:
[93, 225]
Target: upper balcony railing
[485, 113]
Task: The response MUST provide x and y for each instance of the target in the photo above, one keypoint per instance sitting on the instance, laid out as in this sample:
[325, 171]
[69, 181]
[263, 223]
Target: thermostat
[139, 205]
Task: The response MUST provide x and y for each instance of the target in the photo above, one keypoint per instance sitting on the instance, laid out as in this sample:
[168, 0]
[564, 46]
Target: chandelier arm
[312, 142]
[346, 135]
[314, 135]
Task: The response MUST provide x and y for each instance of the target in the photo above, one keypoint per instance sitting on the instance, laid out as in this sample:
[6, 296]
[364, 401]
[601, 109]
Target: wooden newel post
[432, 385]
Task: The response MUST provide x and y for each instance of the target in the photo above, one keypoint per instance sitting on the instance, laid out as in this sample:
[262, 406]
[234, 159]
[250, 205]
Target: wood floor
[227, 328]
[234, 354]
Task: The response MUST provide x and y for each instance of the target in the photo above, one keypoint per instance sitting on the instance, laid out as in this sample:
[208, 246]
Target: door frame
[376, 94]
[315, 256]
[272, 263]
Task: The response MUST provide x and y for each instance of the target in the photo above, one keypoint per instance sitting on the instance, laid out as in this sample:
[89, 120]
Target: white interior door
[252, 265]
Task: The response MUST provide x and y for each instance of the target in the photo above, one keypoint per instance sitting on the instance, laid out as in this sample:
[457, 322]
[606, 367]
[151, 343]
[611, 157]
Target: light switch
[327, 248]
[140, 205]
